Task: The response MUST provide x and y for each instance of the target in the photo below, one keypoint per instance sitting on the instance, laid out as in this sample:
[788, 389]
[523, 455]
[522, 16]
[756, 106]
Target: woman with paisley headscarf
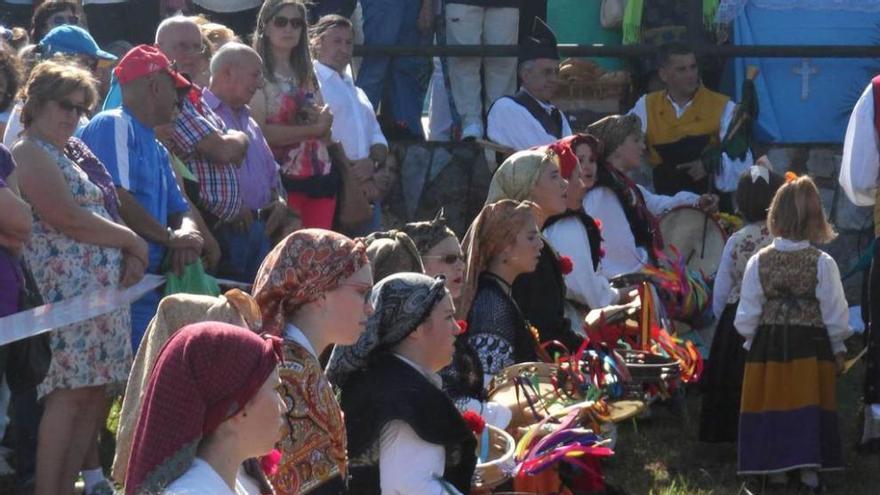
[629, 211]
[502, 243]
[312, 289]
[534, 175]
[576, 234]
[405, 435]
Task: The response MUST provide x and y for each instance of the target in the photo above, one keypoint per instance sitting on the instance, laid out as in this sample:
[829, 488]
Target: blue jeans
[398, 83]
[243, 252]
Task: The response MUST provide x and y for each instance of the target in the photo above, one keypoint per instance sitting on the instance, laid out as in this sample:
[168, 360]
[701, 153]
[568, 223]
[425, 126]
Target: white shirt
[621, 253]
[511, 124]
[724, 281]
[227, 6]
[829, 293]
[729, 170]
[354, 121]
[409, 465]
[860, 165]
[292, 332]
[201, 479]
[583, 285]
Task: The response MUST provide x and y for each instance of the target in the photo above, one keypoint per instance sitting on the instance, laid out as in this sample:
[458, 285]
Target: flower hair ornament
[790, 177]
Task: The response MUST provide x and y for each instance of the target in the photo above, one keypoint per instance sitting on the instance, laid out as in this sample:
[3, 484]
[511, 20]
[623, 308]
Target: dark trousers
[243, 22]
[110, 22]
[872, 335]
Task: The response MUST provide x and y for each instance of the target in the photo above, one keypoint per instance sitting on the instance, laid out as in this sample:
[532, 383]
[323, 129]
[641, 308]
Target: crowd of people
[245, 143]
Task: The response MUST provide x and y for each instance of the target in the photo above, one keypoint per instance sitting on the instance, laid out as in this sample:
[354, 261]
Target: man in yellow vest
[682, 125]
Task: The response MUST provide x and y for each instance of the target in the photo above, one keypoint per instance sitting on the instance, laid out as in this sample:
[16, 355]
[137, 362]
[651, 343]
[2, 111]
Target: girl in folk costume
[405, 435]
[534, 175]
[722, 379]
[212, 402]
[312, 289]
[626, 210]
[502, 243]
[292, 114]
[576, 234]
[793, 316]
[463, 381]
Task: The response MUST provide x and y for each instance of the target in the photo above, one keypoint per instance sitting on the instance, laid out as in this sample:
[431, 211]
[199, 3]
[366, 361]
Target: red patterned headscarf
[301, 268]
[564, 150]
[205, 374]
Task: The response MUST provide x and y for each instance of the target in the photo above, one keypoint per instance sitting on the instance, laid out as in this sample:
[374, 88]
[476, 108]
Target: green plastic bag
[193, 281]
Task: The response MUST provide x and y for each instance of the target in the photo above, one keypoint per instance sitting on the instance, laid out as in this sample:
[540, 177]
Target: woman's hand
[138, 248]
[132, 271]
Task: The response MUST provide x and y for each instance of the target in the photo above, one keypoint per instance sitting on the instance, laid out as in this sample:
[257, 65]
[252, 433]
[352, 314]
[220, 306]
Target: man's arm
[228, 147]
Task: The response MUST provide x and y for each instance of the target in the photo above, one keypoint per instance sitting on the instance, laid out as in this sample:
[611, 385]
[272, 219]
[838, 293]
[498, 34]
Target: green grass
[660, 455]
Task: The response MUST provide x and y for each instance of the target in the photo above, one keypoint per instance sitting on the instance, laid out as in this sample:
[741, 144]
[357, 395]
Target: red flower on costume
[565, 265]
[474, 421]
[598, 223]
[462, 327]
[270, 462]
[601, 252]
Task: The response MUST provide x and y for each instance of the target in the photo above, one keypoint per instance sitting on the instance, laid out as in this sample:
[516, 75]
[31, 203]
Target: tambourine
[500, 465]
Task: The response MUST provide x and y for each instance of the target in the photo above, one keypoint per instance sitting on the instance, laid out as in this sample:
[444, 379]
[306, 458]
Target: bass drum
[696, 235]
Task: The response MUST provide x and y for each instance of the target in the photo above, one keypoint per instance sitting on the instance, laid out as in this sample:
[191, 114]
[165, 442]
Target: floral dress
[96, 351]
[305, 166]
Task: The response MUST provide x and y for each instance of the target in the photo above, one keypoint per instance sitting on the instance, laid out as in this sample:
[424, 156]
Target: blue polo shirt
[139, 164]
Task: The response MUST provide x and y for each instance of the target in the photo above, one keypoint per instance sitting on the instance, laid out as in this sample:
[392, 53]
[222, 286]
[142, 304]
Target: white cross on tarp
[805, 70]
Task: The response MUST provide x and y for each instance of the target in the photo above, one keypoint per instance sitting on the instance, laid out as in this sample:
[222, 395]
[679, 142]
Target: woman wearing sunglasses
[313, 289]
[53, 14]
[292, 114]
[78, 246]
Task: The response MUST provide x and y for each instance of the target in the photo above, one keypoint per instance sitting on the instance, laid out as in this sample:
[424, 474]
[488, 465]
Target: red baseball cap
[143, 60]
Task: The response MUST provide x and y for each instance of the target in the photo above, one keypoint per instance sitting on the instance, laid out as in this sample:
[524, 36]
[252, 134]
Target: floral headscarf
[495, 228]
[402, 302]
[302, 267]
[189, 396]
[517, 176]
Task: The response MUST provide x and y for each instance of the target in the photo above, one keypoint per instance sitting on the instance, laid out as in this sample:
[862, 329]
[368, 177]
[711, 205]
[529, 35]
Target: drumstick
[852, 362]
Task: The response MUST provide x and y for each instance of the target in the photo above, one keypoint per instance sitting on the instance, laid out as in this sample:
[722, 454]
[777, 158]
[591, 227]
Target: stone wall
[455, 176]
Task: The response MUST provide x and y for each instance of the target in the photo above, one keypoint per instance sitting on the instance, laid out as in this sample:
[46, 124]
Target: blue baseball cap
[72, 40]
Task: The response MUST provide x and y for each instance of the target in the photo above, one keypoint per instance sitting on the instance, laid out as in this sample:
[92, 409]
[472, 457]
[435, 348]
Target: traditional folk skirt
[788, 416]
[722, 382]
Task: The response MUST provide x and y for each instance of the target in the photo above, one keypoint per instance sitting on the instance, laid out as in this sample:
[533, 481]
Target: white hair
[230, 53]
[177, 20]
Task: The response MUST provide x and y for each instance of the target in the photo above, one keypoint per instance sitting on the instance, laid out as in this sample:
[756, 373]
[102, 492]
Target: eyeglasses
[449, 259]
[60, 20]
[281, 22]
[189, 48]
[69, 106]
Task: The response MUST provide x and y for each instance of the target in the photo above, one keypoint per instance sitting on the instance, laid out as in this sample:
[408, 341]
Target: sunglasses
[60, 20]
[449, 259]
[69, 106]
[295, 22]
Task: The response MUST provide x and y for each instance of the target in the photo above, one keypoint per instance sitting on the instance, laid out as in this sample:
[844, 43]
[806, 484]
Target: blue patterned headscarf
[402, 302]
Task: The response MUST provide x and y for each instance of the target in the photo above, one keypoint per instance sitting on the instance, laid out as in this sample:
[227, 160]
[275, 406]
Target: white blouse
[584, 285]
[201, 479]
[409, 465]
[621, 253]
[829, 293]
[860, 164]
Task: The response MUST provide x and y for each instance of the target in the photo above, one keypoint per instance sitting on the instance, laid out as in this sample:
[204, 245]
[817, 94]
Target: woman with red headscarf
[201, 422]
[576, 234]
[313, 288]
